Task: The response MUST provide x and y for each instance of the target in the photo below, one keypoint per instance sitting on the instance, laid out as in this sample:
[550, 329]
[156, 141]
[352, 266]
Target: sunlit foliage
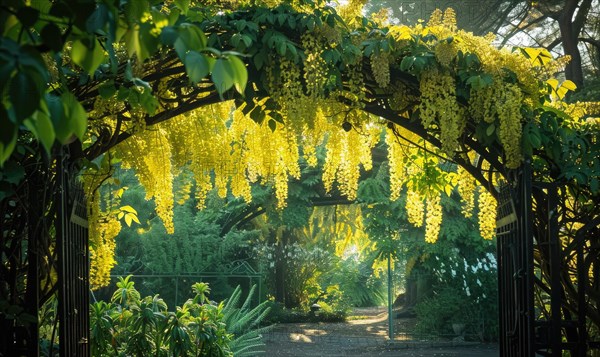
[232, 90]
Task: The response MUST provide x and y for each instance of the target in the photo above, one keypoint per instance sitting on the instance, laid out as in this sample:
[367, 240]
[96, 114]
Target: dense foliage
[232, 91]
[136, 326]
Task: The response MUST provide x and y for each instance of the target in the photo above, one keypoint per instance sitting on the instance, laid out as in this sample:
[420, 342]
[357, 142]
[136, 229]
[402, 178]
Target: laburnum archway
[239, 92]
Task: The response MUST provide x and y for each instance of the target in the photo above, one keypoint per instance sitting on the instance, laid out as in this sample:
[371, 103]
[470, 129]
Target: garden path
[366, 336]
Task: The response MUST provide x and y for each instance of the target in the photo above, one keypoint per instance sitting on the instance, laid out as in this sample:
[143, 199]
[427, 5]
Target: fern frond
[243, 323]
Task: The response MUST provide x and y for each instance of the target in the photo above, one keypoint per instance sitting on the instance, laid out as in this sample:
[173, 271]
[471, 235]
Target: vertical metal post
[526, 236]
[582, 283]
[73, 264]
[390, 300]
[555, 267]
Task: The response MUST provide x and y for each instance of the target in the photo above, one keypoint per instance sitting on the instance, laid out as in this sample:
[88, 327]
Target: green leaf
[107, 90]
[75, 114]
[272, 124]
[241, 74]
[148, 101]
[88, 55]
[8, 135]
[490, 129]
[57, 115]
[259, 59]
[135, 9]
[24, 95]
[196, 66]
[169, 35]
[223, 75]
[13, 173]
[183, 5]
[97, 19]
[193, 38]
[134, 44]
[43, 129]
[7, 67]
[407, 63]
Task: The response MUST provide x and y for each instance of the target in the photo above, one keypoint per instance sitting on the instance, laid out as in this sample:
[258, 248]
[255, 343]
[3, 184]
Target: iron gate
[535, 317]
[73, 263]
[515, 261]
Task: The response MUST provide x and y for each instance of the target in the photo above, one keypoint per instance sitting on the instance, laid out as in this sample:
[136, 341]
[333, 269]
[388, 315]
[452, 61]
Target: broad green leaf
[183, 5]
[135, 9]
[135, 45]
[97, 19]
[149, 42]
[88, 56]
[7, 67]
[407, 63]
[193, 38]
[57, 115]
[259, 59]
[41, 125]
[8, 135]
[75, 114]
[148, 101]
[241, 73]
[223, 75]
[107, 90]
[24, 95]
[490, 130]
[13, 172]
[169, 35]
[196, 66]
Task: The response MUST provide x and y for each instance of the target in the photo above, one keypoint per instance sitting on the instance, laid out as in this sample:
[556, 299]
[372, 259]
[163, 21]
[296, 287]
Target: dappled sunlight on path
[365, 334]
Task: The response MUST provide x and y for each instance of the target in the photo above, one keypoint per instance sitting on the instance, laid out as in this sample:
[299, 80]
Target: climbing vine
[241, 92]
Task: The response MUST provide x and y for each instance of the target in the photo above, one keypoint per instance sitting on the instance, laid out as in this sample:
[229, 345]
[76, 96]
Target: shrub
[134, 326]
[245, 323]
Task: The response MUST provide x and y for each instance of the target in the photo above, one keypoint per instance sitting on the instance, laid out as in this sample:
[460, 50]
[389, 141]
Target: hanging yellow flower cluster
[414, 207]
[148, 152]
[102, 248]
[487, 214]
[380, 66]
[466, 189]
[347, 151]
[438, 102]
[225, 148]
[433, 218]
[104, 226]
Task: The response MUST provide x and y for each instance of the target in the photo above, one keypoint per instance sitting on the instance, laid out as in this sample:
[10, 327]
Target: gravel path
[363, 337]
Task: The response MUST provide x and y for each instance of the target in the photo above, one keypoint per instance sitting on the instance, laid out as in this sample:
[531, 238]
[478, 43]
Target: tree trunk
[570, 22]
[573, 70]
